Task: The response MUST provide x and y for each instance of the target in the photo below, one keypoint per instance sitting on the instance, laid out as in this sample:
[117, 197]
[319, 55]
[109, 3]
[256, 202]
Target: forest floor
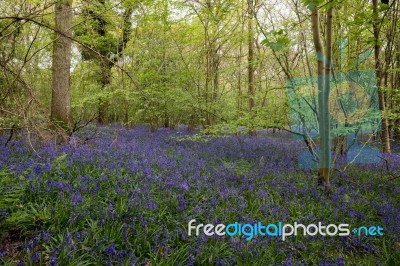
[125, 197]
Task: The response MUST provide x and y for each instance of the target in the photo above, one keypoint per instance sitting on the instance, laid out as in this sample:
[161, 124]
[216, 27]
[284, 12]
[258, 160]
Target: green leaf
[276, 40]
[312, 4]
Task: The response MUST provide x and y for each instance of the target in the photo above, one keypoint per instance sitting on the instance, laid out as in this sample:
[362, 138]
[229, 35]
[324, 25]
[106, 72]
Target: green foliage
[10, 189]
[164, 61]
[312, 4]
[276, 40]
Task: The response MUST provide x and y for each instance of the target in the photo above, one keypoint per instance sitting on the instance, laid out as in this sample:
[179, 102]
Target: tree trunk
[323, 95]
[379, 75]
[250, 64]
[325, 117]
[60, 97]
[396, 102]
[105, 80]
[239, 67]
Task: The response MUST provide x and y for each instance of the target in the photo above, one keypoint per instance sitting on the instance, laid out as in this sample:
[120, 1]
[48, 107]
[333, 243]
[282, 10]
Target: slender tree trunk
[240, 93]
[239, 96]
[323, 115]
[396, 75]
[105, 80]
[396, 102]
[208, 74]
[392, 57]
[379, 75]
[250, 64]
[60, 97]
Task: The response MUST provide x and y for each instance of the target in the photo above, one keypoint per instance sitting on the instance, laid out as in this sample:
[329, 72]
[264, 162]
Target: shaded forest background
[200, 63]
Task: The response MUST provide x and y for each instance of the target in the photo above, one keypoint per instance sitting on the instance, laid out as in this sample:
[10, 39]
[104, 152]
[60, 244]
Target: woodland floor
[125, 197]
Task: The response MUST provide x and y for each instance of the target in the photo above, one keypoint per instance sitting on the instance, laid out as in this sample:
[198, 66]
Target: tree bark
[325, 117]
[239, 67]
[379, 75]
[105, 80]
[250, 64]
[323, 96]
[396, 102]
[60, 97]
